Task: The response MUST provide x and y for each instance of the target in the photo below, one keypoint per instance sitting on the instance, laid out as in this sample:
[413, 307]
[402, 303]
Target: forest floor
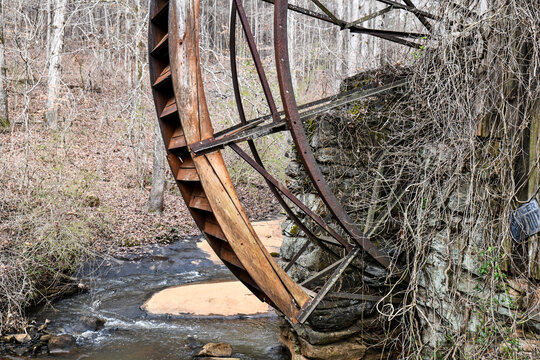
[90, 173]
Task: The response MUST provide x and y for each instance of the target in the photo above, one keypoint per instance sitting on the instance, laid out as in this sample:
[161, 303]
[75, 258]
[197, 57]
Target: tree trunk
[354, 41]
[55, 60]
[155, 202]
[4, 118]
[48, 25]
[340, 48]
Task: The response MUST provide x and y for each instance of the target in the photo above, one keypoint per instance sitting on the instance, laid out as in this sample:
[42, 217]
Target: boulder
[335, 351]
[7, 338]
[277, 352]
[92, 323]
[193, 343]
[216, 349]
[20, 350]
[45, 338]
[61, 344]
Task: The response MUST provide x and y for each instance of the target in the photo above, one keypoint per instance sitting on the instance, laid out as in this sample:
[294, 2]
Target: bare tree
[4, 116]
[155, 202]
[55, 59]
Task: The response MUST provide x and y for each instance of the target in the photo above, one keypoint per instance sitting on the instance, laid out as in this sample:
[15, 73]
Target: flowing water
[120, 287]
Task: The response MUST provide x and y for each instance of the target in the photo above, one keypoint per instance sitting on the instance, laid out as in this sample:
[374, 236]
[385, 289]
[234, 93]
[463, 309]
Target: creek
[118, 288]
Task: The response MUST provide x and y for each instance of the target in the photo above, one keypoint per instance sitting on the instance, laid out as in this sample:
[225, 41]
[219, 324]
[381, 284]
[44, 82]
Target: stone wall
[453, 305]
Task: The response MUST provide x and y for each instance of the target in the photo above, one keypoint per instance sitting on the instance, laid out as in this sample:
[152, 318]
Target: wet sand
[269, 232]
[229, 298]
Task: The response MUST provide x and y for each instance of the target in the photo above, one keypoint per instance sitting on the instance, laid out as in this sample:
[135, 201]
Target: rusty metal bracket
[369, 17]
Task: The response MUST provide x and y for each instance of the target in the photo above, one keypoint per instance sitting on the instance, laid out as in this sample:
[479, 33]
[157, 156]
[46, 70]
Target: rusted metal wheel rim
[195, 160]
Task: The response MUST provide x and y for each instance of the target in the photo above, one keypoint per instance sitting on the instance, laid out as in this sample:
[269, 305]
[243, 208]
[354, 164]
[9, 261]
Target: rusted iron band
[300, 139]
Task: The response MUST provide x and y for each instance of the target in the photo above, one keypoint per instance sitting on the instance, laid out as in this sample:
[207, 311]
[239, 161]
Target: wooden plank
[178, 139]
[159, 17]
[169, 109]
[226, 254]
[161, 46]
[188, 175]
[174, 162]
[211, 227]
[183, 170]
[187, 172]
[200, 201]
[164, 77]
[238, 271]
[187, 163]
[187, 82]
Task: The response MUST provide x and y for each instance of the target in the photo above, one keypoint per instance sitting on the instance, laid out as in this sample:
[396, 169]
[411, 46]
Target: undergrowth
[45, 236]
[438, 170]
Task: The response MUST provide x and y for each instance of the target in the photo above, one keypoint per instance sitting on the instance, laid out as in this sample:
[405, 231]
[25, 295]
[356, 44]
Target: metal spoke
[299, 136]
[369, 17]
[410, 8]
[252, 129]
[290, 196]
[420, 16]
[312, 304]
[253, 149]
[349, 97]
[256, 58]
[395, 36]
[296, 256]
[326, 11]
[321, 273]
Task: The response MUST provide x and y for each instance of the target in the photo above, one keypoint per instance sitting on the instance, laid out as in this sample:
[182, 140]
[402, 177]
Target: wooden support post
[533, 248]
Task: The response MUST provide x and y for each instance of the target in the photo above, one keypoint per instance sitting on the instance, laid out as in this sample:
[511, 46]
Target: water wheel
[193, 148]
